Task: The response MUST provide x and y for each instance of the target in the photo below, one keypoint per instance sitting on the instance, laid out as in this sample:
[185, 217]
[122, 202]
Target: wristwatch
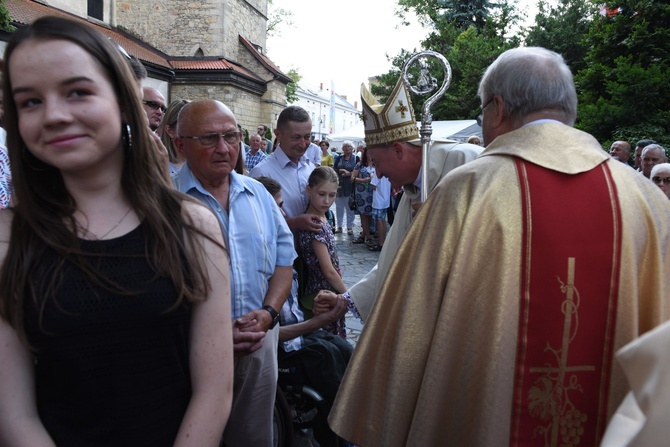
[273, 313]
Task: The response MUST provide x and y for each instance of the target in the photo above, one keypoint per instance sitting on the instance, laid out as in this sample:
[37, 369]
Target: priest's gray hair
[530, 79]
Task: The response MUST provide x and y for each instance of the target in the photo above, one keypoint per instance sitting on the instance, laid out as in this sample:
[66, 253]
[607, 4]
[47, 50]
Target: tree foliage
[621, 59]
[292, 87]
[468, 48]
[277, 17]
[461, 14]
[624, 85]
[563, 29]
[5, 18]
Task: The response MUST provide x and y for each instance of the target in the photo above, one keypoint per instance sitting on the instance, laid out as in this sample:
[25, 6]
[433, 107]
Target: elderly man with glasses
[260, 246]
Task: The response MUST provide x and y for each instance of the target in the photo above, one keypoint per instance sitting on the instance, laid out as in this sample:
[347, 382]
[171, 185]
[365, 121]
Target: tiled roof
[26, 11]
[212, 64]
[264, 59]
[191, 64]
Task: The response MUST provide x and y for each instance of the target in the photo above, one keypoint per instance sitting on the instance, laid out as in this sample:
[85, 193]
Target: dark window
[95, 9]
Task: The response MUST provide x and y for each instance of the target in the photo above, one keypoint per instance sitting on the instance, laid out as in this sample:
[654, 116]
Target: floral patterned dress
[364, 190]
[315, 279]
[5, 179]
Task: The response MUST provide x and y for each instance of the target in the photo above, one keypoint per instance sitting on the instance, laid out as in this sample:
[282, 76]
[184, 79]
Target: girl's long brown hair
[43, 212]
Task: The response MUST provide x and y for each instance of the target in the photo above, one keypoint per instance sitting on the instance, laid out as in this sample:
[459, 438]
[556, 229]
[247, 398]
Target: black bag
[352, 200]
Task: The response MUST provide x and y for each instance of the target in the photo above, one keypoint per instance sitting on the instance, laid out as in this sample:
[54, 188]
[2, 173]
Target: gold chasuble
[519, 278]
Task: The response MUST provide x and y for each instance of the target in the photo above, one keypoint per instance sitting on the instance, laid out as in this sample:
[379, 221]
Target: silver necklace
[117, 224]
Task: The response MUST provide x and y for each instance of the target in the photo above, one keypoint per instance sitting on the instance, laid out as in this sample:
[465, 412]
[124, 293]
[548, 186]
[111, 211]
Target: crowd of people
[157, 271]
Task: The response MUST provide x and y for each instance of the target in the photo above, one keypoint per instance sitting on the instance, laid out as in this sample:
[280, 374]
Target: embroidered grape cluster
[571, 427]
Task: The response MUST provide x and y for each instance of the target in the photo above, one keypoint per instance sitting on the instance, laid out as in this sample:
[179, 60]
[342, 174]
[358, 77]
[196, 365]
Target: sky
[345, 42]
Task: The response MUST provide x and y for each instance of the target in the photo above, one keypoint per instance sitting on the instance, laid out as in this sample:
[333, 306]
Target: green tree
[563, 29]
[5, 18]
[277, 17]
[623, 90]
[292, 87]
[459, 13]
[464, 14]
[469, 51]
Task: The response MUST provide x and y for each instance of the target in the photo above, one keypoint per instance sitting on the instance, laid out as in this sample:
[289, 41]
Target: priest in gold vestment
[519, 278]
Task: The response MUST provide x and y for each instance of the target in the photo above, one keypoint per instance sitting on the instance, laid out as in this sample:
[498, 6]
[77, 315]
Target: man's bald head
[620, 150]
[154, 106]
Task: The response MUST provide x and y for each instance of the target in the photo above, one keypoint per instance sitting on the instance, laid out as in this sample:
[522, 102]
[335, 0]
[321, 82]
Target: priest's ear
[398, 149]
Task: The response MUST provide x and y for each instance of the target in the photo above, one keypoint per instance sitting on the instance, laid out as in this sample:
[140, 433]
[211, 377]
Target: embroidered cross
[402, 109]
[557, 375]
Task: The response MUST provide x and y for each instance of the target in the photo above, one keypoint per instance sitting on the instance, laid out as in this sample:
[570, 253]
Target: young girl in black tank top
[115, 321]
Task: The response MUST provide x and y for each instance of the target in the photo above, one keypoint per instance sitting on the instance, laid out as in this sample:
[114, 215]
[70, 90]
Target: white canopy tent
[459, 130]
[355, 134]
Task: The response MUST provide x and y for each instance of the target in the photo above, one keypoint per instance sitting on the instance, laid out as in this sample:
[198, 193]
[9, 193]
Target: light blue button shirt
[255, 231]
[291, 176]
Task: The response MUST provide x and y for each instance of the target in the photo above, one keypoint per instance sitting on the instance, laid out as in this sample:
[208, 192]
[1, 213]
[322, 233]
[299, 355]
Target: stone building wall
[182, 27]
[272, 103]
[244, 105]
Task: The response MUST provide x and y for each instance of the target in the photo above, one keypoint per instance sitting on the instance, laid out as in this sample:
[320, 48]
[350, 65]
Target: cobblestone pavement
[356, 260]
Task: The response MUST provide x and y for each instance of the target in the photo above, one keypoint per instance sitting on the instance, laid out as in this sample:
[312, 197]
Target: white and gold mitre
[393, 121]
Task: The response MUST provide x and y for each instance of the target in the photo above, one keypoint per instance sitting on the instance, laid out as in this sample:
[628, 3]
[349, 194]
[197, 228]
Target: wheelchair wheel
[282, 422]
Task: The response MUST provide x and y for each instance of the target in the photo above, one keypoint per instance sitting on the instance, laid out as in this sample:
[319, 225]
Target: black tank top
[111, 369]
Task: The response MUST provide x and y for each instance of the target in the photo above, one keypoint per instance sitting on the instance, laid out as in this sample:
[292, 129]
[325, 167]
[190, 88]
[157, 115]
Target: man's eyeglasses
[212, 139]
[480, 115]
[653, 160]
[155, 106]
[658, 180]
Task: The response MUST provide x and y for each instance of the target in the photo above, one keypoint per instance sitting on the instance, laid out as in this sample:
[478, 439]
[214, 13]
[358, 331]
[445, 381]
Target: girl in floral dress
[318, 249]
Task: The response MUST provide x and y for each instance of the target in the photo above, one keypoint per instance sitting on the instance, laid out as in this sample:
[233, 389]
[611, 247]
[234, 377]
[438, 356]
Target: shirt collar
[283, 159]
[188, 181]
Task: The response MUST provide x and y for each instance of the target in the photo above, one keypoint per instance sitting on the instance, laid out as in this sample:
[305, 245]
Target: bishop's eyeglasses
[656, 179]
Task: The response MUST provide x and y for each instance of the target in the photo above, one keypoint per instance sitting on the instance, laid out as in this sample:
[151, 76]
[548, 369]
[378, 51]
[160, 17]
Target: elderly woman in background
[344, 166]
[168, 132]
[475, 140]
[660, 174]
